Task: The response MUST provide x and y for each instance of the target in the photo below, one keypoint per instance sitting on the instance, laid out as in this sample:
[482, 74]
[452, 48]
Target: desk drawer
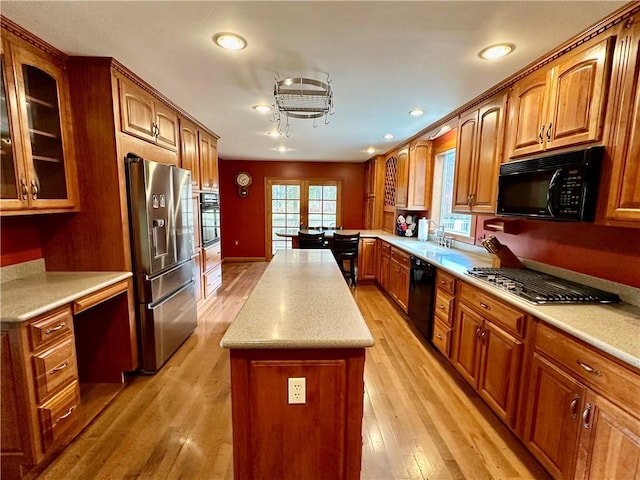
[54, 368]
[50, 328]
[59, 415]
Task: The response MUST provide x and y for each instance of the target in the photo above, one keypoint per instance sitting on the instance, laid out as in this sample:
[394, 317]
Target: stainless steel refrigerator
[161, 227]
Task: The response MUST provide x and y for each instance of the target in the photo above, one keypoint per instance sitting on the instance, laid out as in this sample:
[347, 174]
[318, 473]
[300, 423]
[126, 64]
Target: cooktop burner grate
[540, 288]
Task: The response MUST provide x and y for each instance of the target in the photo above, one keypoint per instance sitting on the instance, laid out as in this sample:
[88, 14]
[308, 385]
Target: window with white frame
[453, 223]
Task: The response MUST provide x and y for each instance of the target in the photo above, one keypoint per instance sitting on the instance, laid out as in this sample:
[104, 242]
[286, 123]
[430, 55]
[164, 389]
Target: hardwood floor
[421, 420]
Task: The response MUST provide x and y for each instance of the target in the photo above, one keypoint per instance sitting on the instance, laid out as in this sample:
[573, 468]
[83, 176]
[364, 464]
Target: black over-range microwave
[558, 187]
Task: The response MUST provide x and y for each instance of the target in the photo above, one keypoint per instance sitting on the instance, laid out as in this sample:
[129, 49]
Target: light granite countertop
[301, 301]
[31, 295]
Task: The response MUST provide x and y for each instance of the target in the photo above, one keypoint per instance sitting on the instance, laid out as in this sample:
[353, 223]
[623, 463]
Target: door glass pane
[285, 214]
[43, 113]
[322, 205]
[8, 170]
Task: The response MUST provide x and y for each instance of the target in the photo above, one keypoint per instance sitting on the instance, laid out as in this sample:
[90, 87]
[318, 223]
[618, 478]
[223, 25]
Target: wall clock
[243, 180]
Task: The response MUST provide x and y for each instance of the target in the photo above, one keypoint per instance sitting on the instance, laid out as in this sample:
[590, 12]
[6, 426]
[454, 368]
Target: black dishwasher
[421, 286]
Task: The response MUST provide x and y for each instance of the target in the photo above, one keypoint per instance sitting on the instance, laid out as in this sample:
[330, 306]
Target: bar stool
[345, 249]
[311, 240]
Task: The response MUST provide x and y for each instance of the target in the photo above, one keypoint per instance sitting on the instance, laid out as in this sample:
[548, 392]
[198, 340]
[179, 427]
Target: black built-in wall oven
[210, 218]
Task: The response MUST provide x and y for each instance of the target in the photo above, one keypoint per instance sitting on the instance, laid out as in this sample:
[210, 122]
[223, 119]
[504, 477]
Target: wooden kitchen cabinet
[189, 151]
[373, 193]
[402, 177]
[621, 194]
[582, 415]
[399, 277]
[414, 176]
[443, 310]
[488, 348]
[208, 162]
[367, 264]
[384, 265]
[38, 156]
[562, 105]
[212, 269]
[145, 117]
[478, 157]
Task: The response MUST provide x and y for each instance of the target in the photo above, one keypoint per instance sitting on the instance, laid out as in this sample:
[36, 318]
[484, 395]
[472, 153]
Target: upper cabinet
[562, 105]
[402, 177]
[208, 162]
[38, 164]
[478, 157]
[189, 151]
[145, 117]
[414, 176]
[621, 196]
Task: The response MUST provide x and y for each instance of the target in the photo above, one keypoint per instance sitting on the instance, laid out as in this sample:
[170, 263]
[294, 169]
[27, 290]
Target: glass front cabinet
[38, 165]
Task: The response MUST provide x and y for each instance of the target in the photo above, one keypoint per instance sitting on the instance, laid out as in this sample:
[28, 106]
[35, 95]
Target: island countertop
[301, 301]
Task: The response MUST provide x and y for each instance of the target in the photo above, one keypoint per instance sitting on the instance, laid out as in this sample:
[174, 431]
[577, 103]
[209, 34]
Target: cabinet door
[45, 126]
[624, 190]
[367, 259]
[552, 423]
[136, 111]
[577, 98]
[488, 156]
[467, 347]
[609, 441]
[499, 374]
[208, 163]
[527, 117]
[464, 171]
[420, 176]
[166, 121]
[189, 152]
[404, 277]
[385, 271]
[402, 178]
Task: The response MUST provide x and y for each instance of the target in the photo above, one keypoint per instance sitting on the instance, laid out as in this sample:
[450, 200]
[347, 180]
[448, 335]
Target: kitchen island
[297, 352]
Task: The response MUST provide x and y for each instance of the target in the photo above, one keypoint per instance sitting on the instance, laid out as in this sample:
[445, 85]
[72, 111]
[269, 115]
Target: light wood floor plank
[421, 420]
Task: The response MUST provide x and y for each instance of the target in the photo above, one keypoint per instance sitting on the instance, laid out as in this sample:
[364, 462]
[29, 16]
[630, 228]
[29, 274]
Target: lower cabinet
[212, 269]
[384, 265]
[583, 410]
[367, 265]
[489, 349]
[443, 308]
[399, 275]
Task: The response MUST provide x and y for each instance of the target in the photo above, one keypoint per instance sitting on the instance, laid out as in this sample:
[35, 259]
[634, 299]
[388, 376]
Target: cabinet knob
[23, 189]
[34, 190]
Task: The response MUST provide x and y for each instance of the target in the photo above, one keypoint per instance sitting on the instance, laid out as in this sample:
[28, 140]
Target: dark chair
[345, 249]
[311, 240]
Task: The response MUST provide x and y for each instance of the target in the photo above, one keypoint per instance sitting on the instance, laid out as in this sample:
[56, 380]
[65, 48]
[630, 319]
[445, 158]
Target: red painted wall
[611, 253]
[243, 219]
[19, 240]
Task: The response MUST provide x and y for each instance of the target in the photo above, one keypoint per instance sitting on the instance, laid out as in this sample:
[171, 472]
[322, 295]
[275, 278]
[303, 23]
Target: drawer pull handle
[573, 405]
[586, 417]
[485, 306]
[439, 336]
[66, 415]
[478, 331]
[442, 282]
[49, 331]
[589, 369]
[441, 306]
[482, 336]
[62, 366]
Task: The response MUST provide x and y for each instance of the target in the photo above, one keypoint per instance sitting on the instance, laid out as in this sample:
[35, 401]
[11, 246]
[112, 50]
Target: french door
[294, 203]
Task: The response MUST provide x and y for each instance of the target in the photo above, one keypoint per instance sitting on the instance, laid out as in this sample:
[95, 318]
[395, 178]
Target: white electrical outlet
[297, 390]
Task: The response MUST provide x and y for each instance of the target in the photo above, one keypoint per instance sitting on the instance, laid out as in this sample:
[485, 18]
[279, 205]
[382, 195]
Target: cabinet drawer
[50, 328]
[100, 296]
[490, 307]
[59, 415]
[589, 366]
[211, 256]
[54, 368]
[445, 281]
[212, 281]
[443, 306]
[400, 257]
[441, 336]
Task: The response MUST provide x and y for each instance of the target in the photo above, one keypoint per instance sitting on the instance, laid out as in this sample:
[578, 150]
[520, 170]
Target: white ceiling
[383, 58]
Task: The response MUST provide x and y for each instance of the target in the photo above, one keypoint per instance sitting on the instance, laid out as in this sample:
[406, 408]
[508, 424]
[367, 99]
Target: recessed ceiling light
[371, 150]
[282, 149]
[274, 133]
[496, 51]
[388, 136]
[229, 41]
[262, 108]
[416, 112]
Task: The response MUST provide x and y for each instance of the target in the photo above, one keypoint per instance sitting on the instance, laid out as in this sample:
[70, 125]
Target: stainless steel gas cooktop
[539, 288]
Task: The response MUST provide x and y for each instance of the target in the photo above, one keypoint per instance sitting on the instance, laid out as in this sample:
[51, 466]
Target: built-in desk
[300, 322]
